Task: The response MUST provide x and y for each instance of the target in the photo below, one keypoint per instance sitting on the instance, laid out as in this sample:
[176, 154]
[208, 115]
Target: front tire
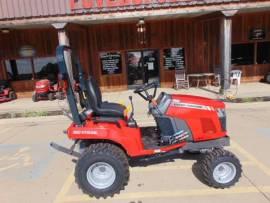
[51, 96]
[60, 95]
[267, 78]
[220, 169]
[12, 95]
[102, 170]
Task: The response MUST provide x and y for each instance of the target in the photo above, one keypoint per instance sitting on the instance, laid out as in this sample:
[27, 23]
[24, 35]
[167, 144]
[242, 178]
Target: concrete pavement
[30, 171]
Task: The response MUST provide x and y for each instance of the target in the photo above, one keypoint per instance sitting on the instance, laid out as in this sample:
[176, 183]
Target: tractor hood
[196, 100]
[43, 82]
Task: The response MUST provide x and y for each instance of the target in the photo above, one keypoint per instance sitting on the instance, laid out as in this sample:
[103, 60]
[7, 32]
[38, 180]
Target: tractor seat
[100, 108]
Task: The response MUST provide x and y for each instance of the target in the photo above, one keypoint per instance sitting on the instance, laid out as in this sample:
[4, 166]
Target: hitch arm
[69, 151]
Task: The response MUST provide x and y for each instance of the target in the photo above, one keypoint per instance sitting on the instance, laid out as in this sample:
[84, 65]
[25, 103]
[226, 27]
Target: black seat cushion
[112, 105]
[99, 107]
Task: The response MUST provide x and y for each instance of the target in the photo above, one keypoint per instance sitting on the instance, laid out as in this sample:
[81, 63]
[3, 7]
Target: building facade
[123, 43]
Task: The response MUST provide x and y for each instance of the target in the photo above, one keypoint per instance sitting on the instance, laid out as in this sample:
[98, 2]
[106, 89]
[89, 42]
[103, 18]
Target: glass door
[135, 68]
[143, 67]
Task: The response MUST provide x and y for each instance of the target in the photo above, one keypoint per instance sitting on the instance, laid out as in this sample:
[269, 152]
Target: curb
[30, 114]
[248, 99]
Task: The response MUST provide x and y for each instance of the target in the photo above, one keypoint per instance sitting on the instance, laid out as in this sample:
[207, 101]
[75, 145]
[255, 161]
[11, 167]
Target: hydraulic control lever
[132, 108]
[131, 120]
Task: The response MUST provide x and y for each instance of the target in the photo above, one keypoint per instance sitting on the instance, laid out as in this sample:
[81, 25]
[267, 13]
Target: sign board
[257, 34]
[174, 58]
[110, 63]
[27, 51]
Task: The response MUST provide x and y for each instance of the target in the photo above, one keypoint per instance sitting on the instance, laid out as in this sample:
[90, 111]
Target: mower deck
[4, 99]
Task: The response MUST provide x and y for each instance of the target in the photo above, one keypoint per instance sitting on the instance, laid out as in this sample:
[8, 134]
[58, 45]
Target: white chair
[236, 76]
[180, 79]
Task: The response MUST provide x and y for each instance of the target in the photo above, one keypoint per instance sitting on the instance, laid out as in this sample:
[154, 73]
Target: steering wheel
[143, 91]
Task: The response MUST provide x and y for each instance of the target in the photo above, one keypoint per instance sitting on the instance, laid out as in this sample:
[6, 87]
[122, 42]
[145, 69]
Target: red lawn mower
[47, 90]
[6, 92]
[109, 139]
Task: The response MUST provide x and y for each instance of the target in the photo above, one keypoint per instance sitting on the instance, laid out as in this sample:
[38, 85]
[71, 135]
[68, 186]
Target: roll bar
[64, 75]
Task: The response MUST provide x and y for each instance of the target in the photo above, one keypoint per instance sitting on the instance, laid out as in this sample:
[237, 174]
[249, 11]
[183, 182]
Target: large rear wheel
[102, 170]
[220, 169]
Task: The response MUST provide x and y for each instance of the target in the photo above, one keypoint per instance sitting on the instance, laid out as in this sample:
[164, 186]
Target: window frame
[255, 51]
[257, 43]
[34, 73]
[244, 43]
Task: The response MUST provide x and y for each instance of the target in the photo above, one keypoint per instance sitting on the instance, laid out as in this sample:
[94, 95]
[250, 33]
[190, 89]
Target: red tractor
[47, 90]
[6, 91]
[109, 139]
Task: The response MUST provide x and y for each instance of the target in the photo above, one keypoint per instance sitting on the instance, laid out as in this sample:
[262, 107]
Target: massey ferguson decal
[179, 136]
[109, 4]
[84, 132]
[177, 103]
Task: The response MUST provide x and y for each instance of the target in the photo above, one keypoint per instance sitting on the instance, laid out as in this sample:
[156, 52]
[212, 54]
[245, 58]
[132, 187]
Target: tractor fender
[129, 139]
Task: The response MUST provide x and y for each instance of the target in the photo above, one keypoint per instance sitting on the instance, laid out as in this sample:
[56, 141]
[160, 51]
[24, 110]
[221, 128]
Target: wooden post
[64, 40]
[225, 45]
[62, 36]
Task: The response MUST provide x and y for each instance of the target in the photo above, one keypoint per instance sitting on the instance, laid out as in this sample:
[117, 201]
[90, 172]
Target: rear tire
[220, 169]
[51, 96]
[102, 170]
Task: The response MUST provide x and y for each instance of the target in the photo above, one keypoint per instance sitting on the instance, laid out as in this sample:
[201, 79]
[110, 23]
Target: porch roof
[41, 12]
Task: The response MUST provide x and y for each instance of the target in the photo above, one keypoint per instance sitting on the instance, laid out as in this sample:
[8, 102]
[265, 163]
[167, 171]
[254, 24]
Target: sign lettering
[93, 4]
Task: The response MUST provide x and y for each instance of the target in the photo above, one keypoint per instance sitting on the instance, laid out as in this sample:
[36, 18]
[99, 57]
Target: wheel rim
[224, 172]
[101, 175]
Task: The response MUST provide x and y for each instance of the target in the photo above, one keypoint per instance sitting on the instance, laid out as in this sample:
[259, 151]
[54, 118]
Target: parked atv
[47, 90]
[6, 91]
[109, 138]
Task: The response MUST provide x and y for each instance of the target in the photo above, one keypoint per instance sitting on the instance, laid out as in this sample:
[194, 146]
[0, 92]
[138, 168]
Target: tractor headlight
[222, 118]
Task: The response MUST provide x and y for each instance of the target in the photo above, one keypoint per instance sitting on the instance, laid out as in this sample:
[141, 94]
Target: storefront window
[46, 67]
[263, 52]
[110, 63]
[243, 54]
[22, 69]
[174, 58]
